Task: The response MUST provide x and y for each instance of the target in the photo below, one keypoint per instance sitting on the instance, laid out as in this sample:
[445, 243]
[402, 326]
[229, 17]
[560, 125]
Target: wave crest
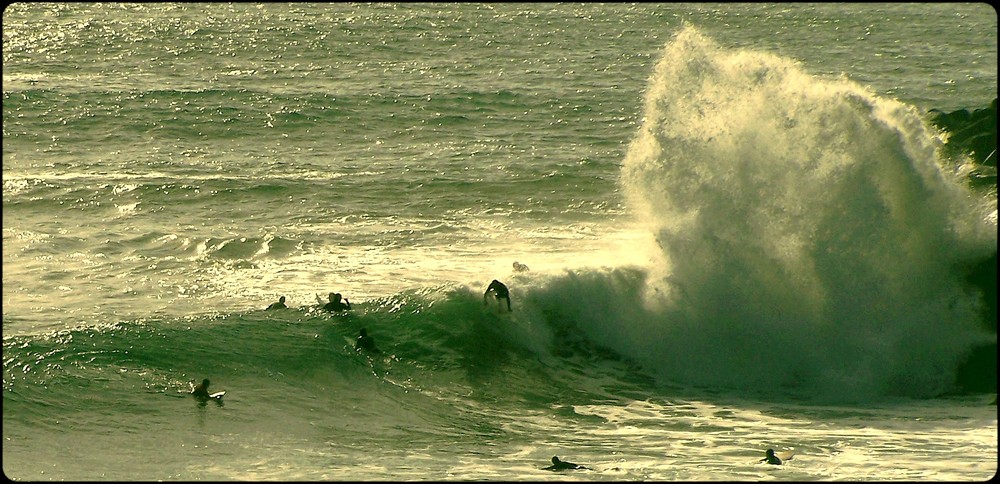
[805, 233]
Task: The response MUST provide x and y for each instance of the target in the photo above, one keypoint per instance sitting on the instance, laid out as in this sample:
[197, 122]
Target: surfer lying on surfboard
[561, 465]
[278, 305]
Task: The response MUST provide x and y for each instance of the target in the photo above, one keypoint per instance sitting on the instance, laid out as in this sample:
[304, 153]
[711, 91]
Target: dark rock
[978, 373]
[983, 277]
[973, 133]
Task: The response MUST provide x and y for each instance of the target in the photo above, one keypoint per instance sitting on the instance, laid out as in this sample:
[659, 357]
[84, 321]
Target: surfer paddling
[499, 292]
[278, 305]
[561, 465]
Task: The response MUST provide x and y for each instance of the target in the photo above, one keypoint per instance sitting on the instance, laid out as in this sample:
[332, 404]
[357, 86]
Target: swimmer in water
[278, 305]
[201, 391]
[499, 292]
[365, 342]
[559, 465]
[770, 458]
[335, 303]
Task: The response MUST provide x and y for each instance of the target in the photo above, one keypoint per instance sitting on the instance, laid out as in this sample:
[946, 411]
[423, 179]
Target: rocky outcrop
[974, 133]
[970, 132]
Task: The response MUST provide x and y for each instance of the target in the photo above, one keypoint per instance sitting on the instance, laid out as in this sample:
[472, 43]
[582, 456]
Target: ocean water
[737, 227]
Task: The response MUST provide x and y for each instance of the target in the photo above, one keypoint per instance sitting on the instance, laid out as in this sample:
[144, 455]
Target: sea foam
[804, 235]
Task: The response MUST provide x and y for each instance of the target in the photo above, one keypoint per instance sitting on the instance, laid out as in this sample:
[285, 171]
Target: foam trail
[805, 231]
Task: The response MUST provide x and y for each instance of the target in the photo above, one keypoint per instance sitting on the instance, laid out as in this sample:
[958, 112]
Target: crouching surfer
[499, 291]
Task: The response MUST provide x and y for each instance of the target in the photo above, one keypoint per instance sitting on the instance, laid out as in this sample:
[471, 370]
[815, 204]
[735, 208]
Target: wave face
[805, 233]
[441, 348]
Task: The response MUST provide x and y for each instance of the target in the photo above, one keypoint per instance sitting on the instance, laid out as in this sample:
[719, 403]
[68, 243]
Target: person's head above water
[281, 299]
[201, 390]
[770, 458]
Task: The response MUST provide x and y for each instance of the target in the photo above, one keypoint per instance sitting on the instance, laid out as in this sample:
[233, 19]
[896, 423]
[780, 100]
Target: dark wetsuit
[337, 305]
[365, 342]
[558, 465]
[278, 305]
[770, 458]
[499, 291]
[201, 391]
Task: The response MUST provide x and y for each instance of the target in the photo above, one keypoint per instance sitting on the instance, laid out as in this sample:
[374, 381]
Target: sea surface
[724, 227]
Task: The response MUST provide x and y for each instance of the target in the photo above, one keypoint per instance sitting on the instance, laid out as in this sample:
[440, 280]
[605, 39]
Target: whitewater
[725, 228]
